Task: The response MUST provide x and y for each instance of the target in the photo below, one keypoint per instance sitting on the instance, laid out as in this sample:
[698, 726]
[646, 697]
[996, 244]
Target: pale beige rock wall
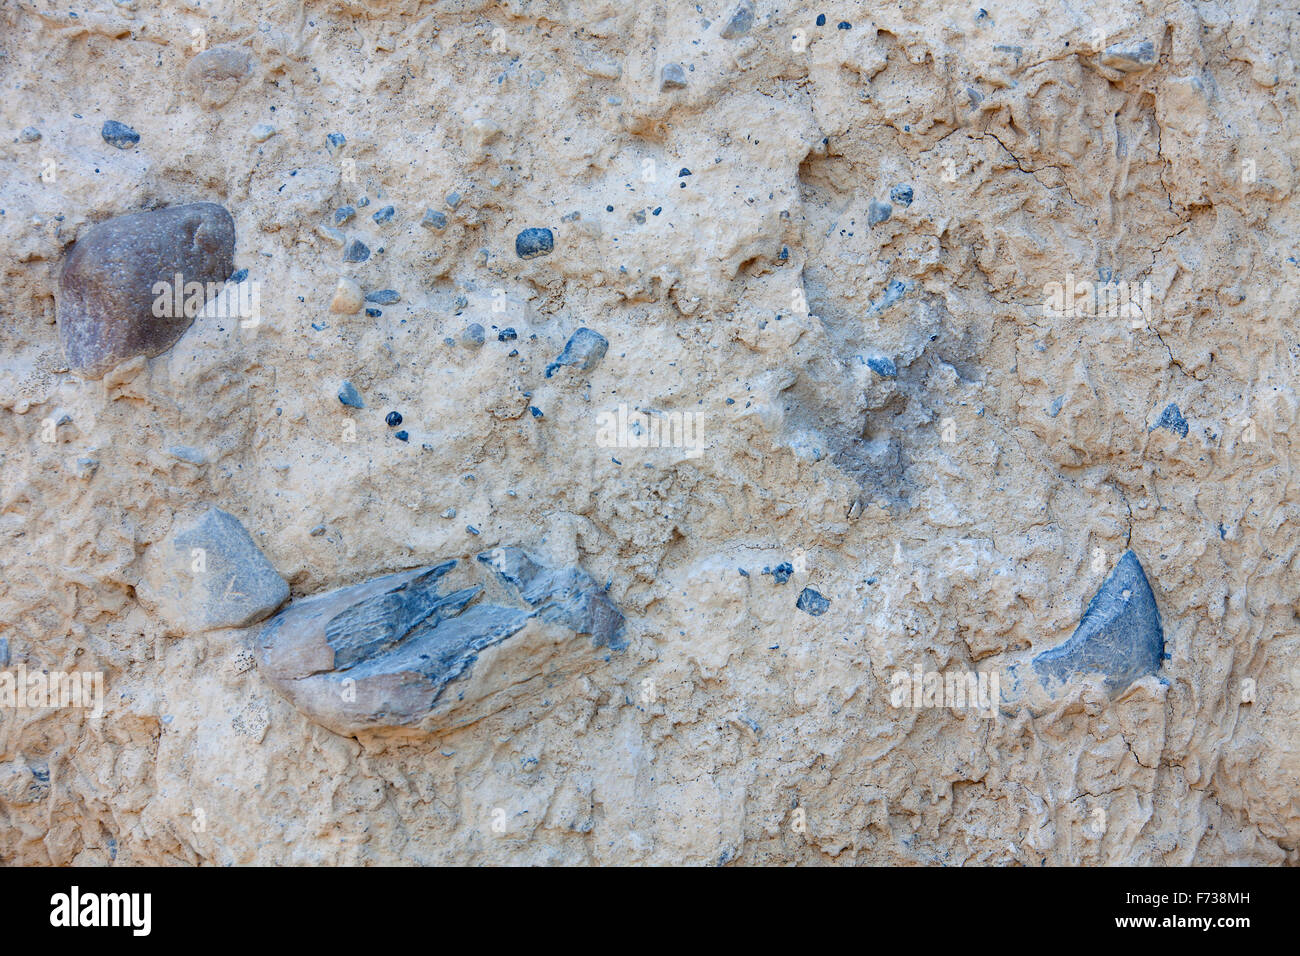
[734, 727]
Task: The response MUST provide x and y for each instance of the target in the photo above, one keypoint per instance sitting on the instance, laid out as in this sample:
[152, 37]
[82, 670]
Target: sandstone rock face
[119, 295]
[406, 652]
[912, 320]
[208, 573]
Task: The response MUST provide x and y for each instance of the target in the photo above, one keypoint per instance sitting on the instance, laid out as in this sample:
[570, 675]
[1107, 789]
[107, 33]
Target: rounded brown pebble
[117, 292]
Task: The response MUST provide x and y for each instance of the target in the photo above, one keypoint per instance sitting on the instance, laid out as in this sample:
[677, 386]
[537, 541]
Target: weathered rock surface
[207, 574]
[110, 299]
[217, 72]
[410, 652]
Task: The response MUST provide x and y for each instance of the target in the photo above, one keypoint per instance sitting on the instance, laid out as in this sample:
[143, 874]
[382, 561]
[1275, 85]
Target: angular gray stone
[741, 20]
[438, 647]
[673, 77]
[583, 351]
[217, 72]
[208, 574]
[109, 310]
[1130, 57]
[1120, 634]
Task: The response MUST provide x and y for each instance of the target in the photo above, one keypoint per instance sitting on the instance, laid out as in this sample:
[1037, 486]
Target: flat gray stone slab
[438, 647]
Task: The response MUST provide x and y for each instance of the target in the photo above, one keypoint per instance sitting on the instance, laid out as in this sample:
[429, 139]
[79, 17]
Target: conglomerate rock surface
[932, 312]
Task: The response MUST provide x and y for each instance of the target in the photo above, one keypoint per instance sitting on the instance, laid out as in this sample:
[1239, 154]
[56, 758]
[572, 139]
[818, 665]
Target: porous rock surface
[957, 469]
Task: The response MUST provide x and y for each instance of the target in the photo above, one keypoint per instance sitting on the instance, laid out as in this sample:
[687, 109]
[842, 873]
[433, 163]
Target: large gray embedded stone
[1120, 634]
[438, 647]
[208, 574]
[112, 302]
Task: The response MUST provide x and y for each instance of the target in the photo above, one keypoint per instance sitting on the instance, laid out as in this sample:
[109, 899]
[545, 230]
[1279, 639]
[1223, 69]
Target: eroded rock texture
[408, 652]
[109, 290]
[817, 261]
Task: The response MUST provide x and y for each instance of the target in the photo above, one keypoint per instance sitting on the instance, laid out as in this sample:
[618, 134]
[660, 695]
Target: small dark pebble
[534, 242]
[335, 141]
[374, 313]
[901, 194]
[583, 351]
[843, 25]
[238, 276]
[383, 297]
[401, 436]
[1172, 419]
[393, 419]
[344, 214]
[821, 19]
[507, 335]
[657, 210]
[884, 367]
[743, 572]
[350, 397]
[384, 214]
[356, 251]
[813, 602]
[119, 134]
[731, 401]
[473, 336]
[537, 412]
[781, 573]
[878, 212]
[471, 529]
[433, 219]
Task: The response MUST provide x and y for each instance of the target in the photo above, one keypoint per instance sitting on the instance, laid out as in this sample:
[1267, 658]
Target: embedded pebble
[741, 20]
[674, 77]
[347, 297]
[534, 242]
[344, 215]
[433, 219]
[901, 194]
[119, 134]
[393, 419]
[473, 336]
[1172, 419]
[383, 297]
[262, 132]
[884, 367]
[107, 304]
[384, 215]
[878, 212]
[356, 251]
[335, 141]
[453, 200]
[208, 574]
[217, 73]
[507, 335]
[401, 436]
[349, 396]
[813, 602]
[583, 351]
[30, 134]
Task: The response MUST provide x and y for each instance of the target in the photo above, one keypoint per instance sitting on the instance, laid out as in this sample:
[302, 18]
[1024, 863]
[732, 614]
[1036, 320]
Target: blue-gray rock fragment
[583, 351]
[349, 396]
[344, 214]
[1119, 635]
[438, 647]
[1172, 419]
[878, 212]
[741, 21]
[119, 134]
[813, 602]
[384, 296]
[884, 367]
[208, 574]
[901, 194]
[356, 251]
[433, 219]
[534, 242]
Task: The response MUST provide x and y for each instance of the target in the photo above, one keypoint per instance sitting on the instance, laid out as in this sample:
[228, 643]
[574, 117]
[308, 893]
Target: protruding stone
[208, 574]
[217, 72]
[583, 351]
[132, 285]
[813, 602]
[473, 336]
[438, 647]
[347, 297]
[349, 396]
[741, 20]
[1131, 57]
[119, 134]
[534, 242]
[1172, 419]
[673, 77]
[1119, 636]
